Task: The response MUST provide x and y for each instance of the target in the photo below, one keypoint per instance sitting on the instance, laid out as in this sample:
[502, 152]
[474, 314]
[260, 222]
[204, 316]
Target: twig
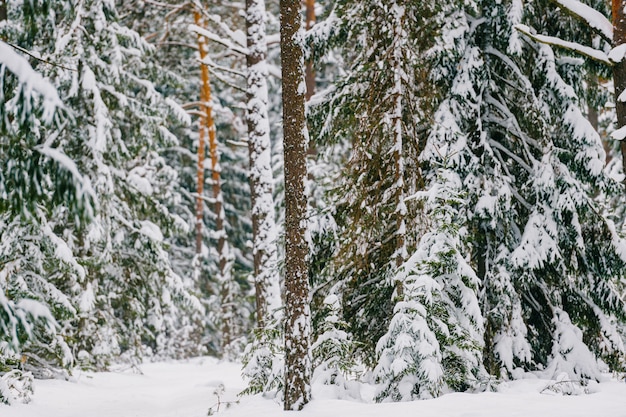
[19, 48]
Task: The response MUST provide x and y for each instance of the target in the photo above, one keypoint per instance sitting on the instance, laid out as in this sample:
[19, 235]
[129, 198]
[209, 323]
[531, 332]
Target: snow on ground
[186, 389]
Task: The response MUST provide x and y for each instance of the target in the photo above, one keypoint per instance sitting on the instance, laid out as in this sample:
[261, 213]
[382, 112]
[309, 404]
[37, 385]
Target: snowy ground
[186, 389]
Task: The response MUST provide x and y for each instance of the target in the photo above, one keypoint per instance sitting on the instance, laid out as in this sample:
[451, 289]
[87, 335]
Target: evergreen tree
[434, 341]
[533, 168]
[297, 308]
[39, 184]
[261, 359]
[508, 129]
[375, 117]
[110, 281]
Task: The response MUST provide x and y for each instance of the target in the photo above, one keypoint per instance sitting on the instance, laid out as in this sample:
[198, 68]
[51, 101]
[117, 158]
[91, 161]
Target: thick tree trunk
[261, 183]
[619, 69]
[297, 323]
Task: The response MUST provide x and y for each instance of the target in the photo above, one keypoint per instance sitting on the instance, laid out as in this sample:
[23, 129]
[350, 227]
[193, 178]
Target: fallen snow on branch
[30, 79]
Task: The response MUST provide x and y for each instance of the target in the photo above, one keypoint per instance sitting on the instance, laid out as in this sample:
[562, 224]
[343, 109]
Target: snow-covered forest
[418, 197]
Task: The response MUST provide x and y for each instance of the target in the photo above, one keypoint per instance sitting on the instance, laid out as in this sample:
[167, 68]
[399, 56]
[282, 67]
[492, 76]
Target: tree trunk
[264, 232]
[310, 72]
[297, 323]
[396, 127]
[619, 69]
[203, 124]
[223, 279]
[3, 10]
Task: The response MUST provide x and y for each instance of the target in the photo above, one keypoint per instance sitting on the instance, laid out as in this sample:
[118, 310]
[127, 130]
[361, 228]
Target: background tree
[261, 357]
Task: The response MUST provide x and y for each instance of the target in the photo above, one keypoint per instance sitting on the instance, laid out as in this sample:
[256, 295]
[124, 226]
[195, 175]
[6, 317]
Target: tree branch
[587, 51]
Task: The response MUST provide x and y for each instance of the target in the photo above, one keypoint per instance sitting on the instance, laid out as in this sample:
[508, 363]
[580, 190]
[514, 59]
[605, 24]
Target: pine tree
[261, 357]
[508, 129]
[113, 274]
[376, 116]
[533, 168]
[434, 341]
[333, 361]
[39, 184]
[297, 309]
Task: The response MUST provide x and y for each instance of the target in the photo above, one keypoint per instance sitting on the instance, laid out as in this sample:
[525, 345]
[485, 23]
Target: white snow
[617, 54]
[216, 38]
[187, 389]
[30, 79]
[619, 134]
[592, 53]
[137, 178]
[151, 230]
[591, 16]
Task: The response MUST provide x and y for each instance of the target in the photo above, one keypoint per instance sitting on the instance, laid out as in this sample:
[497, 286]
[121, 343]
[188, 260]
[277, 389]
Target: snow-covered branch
[30, 79]
[587, 51]
[64, 161]
[237, 36]
[208, 61]
[216, 38]
[596, 20]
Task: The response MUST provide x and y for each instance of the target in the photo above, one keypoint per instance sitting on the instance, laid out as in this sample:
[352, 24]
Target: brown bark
[3, 10]
[619, 69]
[203, 123]
[310, 72]
[297, 313]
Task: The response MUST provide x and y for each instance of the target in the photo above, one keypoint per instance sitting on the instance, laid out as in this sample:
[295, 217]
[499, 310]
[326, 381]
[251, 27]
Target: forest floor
[187, 389]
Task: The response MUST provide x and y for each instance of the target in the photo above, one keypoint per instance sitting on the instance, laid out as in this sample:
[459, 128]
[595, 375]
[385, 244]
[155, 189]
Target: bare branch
[19, 48]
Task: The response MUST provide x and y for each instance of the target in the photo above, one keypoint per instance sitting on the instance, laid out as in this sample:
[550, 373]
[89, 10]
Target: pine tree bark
[310, 72]
[3, 10]
[619, 69]
[297, 309]
[203, 122]
[224, 280]
[261, 183]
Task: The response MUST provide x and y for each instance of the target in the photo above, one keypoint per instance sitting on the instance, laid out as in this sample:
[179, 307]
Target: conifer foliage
[458, 224]
[86, 261]
[501, 275]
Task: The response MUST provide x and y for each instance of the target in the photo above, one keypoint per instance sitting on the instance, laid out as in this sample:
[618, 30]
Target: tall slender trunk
[203, 125]
[396, 121]
[224, 280]
[310, 72]
[261, 183]
[619, 69]
[297, 323]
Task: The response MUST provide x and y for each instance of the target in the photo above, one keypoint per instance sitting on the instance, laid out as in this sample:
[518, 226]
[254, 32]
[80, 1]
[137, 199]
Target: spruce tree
[533, 168]
[374, 118]
[118, 292]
